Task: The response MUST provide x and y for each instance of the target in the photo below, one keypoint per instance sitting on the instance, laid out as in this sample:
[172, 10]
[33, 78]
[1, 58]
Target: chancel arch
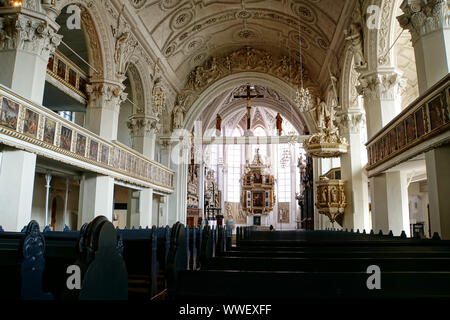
[231, 82]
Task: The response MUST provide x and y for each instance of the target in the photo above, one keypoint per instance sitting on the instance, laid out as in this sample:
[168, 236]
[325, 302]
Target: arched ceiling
[189, 32]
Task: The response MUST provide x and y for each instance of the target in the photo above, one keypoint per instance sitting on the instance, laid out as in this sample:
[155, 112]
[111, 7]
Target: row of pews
[114, 264]
[321, 265]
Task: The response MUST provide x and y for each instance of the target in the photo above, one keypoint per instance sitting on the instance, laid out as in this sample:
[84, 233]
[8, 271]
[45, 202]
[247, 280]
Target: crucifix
[249, 98]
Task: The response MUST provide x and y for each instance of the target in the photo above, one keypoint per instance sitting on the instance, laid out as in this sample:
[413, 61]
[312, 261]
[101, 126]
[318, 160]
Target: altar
[257, 197]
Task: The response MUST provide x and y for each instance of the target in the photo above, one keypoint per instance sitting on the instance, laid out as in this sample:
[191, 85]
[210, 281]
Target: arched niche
[134, 104]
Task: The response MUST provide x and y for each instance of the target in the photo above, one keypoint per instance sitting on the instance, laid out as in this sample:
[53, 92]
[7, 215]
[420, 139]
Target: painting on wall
[81, 145]
[256, 220]
[30, 124]
[435, 111]
[116, 158]
[66, 138]
[420, 124]
[73, 78]
[105, 154]
[401, 136]
[49, 131]
[123, 156]
[9, 113]
[61, 72]
[128, 168]
[410, 128]
[93, 150]
[392, 141]
[258, 199]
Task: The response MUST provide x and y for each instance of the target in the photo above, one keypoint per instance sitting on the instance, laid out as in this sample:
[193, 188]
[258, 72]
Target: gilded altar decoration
[257, 196]
[331, 200]
[327, 143]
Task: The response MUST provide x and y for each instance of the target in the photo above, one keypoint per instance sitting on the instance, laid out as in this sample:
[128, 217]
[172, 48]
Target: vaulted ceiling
[188, 32]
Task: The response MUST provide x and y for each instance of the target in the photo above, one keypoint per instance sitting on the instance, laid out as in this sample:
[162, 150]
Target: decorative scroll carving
[108, 92]
[124, 47]
[95, 48]
[422, 17]
[350, 122]
[245, 59]
[385, 86]
[141, 125]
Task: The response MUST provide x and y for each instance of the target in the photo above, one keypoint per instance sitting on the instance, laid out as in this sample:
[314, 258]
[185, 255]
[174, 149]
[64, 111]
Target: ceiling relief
[189, 32]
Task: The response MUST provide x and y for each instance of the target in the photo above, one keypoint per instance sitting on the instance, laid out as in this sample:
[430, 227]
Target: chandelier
[158, 98]
[15, 3]
[303, 97]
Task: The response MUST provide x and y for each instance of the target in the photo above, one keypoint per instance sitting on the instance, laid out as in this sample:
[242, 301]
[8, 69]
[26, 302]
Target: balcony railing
[418, 125]
[26, 125]
[68, 74]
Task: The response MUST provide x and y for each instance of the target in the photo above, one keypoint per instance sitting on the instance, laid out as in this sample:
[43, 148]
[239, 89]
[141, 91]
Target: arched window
[284, 173]
[259, 132]
[234, 169]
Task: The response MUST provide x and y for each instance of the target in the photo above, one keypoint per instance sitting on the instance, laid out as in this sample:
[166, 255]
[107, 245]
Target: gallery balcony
[31, 127]
[422, 126]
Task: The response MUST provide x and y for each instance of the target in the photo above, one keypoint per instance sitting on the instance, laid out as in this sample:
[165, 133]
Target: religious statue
[354, 35]
[178, 112]
[218, 125]
[279, 124]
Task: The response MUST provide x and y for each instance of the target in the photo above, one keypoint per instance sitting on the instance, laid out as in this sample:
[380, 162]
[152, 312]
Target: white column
[48, 180]
[146, 208]
[389, 192]
[96, 198]
[17, 172]
[102, 112]
[428, 22]
[143, 132]
[438, 172]
[26, 43]
[133, 214]
[356, 214]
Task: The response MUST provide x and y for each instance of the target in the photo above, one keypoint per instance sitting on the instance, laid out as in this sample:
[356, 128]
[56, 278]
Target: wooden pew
[22, 262]
[321, 265]
[140, 256]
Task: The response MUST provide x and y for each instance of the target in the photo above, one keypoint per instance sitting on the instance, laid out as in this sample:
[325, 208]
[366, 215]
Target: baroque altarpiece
[257, 185]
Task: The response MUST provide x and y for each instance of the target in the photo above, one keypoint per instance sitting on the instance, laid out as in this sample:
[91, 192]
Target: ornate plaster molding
[350, 122]
[382, 85]
[28, 33]
[423, 17]
[142, 126]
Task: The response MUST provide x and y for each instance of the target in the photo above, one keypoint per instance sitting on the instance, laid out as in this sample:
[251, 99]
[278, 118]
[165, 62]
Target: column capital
[143, 126]
[384, 85]
[422, 17]
[104, 91]
[350, 121]
[31, 32]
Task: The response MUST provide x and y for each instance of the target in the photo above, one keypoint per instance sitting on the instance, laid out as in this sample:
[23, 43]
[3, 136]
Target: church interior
[229, 126]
